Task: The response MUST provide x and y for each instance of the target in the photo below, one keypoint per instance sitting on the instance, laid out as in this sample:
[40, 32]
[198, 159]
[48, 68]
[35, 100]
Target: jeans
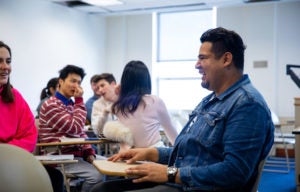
[84, 170]
[56, 177]
[121, 185]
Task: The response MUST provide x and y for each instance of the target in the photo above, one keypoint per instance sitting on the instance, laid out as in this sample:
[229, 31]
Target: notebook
[113, 168]
[92, 136]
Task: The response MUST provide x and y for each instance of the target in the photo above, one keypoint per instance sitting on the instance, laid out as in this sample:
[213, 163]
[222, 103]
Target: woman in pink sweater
[17, 125]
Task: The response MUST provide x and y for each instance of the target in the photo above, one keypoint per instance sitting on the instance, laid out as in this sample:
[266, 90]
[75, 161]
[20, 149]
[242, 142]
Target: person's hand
[78, 92]
[137, 154]
[152, 172]
[130, 156]
[90, 158]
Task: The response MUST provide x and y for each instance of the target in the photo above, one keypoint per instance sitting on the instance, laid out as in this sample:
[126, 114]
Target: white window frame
[164, 70]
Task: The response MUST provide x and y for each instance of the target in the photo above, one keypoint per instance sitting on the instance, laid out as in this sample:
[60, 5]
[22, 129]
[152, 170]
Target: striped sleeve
[58, 120]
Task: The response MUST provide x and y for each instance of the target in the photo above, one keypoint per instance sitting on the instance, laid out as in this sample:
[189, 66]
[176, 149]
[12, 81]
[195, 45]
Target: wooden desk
[51, 162]
[58, 145]
[56, 160]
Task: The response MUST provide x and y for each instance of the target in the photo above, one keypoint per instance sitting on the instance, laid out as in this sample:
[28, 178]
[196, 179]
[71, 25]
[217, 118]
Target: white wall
[271, 33]
[44, 37]
[288, 49]
[128, 38]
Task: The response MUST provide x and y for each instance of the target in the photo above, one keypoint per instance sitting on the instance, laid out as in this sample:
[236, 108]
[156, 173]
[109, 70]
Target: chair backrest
[21, 171]
[260, 169]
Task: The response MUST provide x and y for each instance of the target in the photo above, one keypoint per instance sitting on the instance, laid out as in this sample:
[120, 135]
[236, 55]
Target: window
[175, 78]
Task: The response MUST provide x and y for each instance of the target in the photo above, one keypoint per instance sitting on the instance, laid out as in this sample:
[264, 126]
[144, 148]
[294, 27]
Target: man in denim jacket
[226, 137]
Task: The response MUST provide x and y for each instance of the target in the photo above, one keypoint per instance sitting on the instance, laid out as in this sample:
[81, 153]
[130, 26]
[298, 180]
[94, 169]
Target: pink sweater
[17, 126]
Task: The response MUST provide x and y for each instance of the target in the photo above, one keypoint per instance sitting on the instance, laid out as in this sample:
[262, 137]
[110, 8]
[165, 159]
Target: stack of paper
[54, 157]
[68, 139]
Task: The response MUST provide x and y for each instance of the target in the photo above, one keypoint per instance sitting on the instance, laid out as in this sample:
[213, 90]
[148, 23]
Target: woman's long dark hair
[135, 83]
[7, 95]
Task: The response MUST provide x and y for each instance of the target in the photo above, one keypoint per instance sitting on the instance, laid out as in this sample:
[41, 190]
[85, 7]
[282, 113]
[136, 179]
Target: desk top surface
[296, 131]
[112, 168]
[51, 162]
[56, 159]
[60, 143]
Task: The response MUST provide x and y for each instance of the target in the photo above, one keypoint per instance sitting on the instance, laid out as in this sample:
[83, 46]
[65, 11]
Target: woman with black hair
[141, 112]
[47, 92]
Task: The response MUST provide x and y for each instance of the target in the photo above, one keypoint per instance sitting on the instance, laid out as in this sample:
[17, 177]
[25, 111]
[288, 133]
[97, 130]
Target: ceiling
[138, 6]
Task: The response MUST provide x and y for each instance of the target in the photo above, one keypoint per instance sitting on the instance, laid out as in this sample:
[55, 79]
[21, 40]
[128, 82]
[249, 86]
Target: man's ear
[227, 59]
[60, 81]
[113, 83]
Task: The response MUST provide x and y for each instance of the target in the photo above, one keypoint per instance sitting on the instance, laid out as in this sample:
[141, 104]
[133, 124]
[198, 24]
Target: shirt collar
[95, 97]
[65, 100]
[243, 80]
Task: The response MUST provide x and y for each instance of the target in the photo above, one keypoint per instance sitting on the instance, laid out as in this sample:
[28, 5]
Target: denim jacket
[224, 140]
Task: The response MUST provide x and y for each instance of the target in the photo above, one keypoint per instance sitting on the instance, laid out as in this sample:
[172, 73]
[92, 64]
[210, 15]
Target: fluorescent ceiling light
[103, 2]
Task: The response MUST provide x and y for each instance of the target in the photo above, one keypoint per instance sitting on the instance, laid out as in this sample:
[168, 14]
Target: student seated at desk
[89, 103]
[227, 135]
[101, 112]
[16, 120]
[47, 92]
[60, 117]
[137, 110]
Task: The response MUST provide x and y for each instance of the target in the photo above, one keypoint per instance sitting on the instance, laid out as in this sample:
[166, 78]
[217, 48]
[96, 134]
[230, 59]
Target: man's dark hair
[223, 41]
[107, 77]
[93, 78]
[71, 69]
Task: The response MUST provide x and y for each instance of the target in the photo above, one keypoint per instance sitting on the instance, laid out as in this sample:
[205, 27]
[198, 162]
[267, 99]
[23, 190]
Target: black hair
[94, 78]
[223, 41]
[52, 83]
[71, 69]
[106, 76]
[135, 83]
